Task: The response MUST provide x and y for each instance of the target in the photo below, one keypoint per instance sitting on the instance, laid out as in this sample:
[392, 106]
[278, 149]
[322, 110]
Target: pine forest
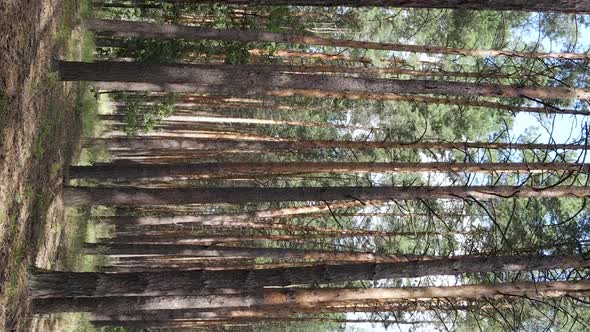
[294, 165]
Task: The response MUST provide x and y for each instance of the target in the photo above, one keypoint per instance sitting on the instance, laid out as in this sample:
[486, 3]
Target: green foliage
[142, 117]
[237, 53]
[273, 18]
[86, 107]
[158, 50]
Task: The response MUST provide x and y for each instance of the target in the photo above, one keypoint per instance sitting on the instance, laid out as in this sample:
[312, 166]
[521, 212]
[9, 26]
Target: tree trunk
[262, 312]
[316, 298]
[237, 217]
[91, 196]
[76, 284]
[261, 320]
[202, 221]
[209, 240]
[185, 145]
[240, 80]
[113, 28]
[319, 233]
[147, 266]
[133, 249]
[170, 172]
[200, 122]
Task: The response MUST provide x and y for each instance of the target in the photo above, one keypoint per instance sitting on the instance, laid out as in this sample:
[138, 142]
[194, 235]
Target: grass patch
[14, 284]
[82, 226]
[88, 46]
[87, 108]
[86, 8]
[52, 120]
[76, 322]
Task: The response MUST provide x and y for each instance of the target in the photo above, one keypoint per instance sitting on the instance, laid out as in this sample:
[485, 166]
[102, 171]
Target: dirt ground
[39, 129]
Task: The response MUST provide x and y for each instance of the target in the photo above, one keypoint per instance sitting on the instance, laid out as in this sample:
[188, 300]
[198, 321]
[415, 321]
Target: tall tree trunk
[209, 240]
[245, 216]
[199, 121]
[123, 222]
[240, 80]
[115, 28]
[76, 284]
[316, 298]
[117, 249]
[170, 172]
[262, 320]
[89, 196]
[180, 145]
[370, 71]
[262, 312]
[319, 233]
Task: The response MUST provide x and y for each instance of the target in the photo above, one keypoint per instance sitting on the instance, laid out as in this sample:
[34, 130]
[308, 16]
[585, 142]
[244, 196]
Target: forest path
[39, 129]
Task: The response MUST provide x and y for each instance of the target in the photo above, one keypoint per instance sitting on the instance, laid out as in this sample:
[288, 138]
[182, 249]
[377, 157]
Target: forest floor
[41, 122]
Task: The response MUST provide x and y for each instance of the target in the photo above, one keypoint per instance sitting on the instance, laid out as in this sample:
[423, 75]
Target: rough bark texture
[183, 144]
[222, 218]
[254, 81]
[131, 196]
[206, 251]
[262, 311]
[167, 172]
[209, 240]
[316, 298]
[72, 284]
[191, 322]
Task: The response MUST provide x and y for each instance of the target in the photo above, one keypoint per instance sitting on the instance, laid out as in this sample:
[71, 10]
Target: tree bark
[237, 217]
[199, 122]
[202, 221]
[170, 172]
[241, 80]
[262, 312]
[259, 320]
[89, 196]
[318, 233]
[75, 284]
[134, 249]
[316, 298]
[208, 240]
[186, 144]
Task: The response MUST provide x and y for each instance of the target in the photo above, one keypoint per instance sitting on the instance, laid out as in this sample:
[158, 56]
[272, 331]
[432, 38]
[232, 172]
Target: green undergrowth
[80, 226]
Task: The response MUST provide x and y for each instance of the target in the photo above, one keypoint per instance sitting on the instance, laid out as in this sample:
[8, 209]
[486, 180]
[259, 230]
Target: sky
[563, 127]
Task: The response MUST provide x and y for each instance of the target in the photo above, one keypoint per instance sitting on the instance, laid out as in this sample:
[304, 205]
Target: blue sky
[563, 125]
